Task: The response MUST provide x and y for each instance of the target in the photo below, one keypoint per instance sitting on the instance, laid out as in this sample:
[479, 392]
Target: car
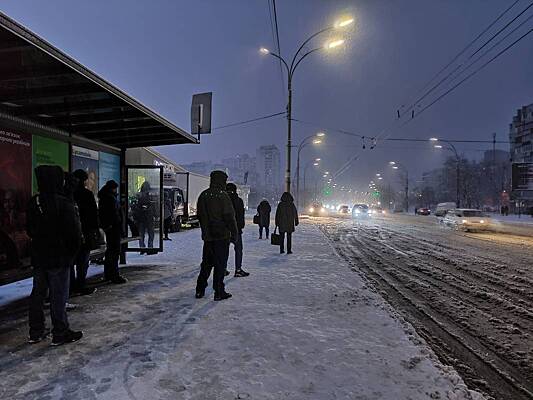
[467, 219]
[344, 209]
[442, 208]
[377, 210]
[360, 211]
[317, 210]
[423, 211]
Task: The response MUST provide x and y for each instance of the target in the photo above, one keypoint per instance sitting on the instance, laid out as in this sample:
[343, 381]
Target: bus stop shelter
[53, 110]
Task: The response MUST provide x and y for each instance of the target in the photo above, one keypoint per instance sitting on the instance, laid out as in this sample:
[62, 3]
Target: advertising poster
[15, 193]
[109, 168]
[48, 152]
[86, 160]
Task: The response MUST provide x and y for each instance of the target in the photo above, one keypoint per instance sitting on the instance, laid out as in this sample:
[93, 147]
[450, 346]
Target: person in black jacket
[88, 211]
[286, 220]
[238, 206]
[111, 223]
[54, 227]
[144, 215]
[264, 209]
[219, 227]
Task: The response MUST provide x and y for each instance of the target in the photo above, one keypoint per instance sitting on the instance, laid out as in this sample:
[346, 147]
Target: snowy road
[468, 294]
[300, 327]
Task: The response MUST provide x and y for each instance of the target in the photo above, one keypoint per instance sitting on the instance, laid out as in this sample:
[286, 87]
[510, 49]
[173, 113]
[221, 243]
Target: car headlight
[322, 209]
[464, 221]
[311, 209]
[383, 212]
[357, 211]
[370, 211]
[482, 221]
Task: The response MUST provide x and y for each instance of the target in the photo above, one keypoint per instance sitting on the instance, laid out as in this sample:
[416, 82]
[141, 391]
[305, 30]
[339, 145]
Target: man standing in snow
[218, 224]
[238, 207]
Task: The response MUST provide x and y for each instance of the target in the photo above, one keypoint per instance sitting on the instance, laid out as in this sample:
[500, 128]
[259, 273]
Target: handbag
[256, 219]
[275, 238]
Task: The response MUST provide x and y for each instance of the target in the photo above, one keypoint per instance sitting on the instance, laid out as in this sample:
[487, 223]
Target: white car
[467, 219]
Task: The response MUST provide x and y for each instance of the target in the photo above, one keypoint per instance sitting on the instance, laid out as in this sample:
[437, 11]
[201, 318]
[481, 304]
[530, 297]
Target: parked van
[443, 208]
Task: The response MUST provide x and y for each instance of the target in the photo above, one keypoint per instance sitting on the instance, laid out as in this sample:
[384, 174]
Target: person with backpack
[263, 210]
[219, 227]
[286, 220]
[111, 222]
[88, 211]
[238, 207]
[54, 227]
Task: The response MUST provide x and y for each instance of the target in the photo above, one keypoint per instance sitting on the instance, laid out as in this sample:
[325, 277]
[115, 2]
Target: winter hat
[81, 175]
[231, 187]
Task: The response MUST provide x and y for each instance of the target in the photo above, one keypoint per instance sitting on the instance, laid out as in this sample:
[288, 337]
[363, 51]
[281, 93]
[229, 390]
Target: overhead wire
[248, 121]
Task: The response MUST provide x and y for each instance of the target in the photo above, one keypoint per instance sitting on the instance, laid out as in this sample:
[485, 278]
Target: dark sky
[163, 51]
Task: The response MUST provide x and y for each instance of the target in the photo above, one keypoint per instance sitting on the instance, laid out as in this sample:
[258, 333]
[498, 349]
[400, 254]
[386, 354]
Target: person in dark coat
[238, 207]
[219, 227]
[111, 223]
[88, 211]
[167, 215]
[144, 215]
[286, 220]
[54, 227]
[264, 209]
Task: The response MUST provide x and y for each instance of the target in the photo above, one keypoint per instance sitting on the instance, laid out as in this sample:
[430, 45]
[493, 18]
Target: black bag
[275, 238]
[257, 219]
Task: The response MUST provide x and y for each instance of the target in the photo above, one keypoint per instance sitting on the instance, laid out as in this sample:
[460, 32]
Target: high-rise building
[241, 169]
[268, 171]
[521, 135]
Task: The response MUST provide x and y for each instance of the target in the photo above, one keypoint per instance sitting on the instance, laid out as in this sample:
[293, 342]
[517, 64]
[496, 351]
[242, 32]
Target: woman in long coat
[286, 220]
[263, 210]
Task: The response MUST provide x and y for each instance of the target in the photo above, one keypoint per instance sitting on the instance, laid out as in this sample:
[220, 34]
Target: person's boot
[86, 291]
[226, 272]
[118, 280]
[241, 273]
[199, 294]
[68, 337]
[39, 337]
[289, 251]
[281, 251]
[222, 296]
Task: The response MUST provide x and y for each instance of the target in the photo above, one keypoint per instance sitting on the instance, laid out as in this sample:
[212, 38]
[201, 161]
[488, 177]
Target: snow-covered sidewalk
[302, 326]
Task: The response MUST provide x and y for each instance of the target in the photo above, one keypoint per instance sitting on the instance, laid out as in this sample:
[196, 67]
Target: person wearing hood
[263, 210]
[286, 220]
[88, 211]
[54, 227]
[218, 226]
[111, 223]
[238, 207]
[144, 214]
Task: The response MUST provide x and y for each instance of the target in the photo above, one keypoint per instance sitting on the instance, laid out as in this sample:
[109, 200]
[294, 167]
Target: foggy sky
[163, 51]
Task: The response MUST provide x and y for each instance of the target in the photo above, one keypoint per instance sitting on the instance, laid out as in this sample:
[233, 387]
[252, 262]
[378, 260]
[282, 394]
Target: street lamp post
[290, 74]
[316, 163]
[452, 148]
[397, 165]
[317, 140]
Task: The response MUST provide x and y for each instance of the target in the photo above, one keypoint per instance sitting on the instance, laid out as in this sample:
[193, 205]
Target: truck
[183, 190]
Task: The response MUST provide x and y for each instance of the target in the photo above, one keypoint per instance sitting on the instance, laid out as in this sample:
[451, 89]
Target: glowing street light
[334, 43]
[264, 50]
[317, 141]
[438, 146]
[434, 139]
[344, 22]
[320, 134]
[392, 162]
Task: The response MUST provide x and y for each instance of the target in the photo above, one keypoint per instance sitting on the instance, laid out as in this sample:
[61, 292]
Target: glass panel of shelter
[145, 194]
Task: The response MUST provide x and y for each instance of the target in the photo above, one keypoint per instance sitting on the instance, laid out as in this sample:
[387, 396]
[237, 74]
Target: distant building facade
[521, 135]
[268, 165]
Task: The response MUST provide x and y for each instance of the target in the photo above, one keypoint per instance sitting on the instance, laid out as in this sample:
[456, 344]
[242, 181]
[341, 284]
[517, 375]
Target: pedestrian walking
[167, 215]
[218, 225]
[111, 223]
[238, 207]
[263, 210]
[54, 227]
[88, 212]
[286, 220]
[144, 215]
